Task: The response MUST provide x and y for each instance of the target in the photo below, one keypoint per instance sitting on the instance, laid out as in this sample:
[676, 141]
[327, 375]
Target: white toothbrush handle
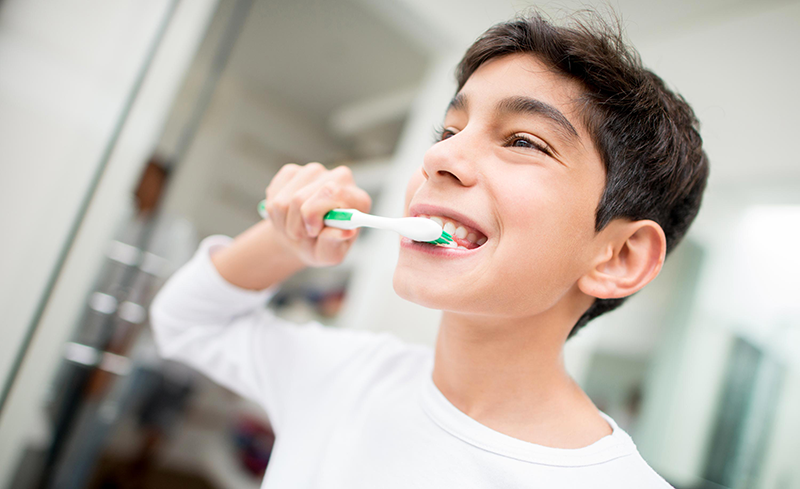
[359, 219]
[416, 228]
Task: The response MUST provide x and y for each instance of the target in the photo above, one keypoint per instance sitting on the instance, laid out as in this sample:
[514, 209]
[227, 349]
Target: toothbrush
[415, 228]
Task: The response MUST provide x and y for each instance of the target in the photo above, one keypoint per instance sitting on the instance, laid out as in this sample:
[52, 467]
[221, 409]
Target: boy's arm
[225, 332]
[210, 313]
[257, 259]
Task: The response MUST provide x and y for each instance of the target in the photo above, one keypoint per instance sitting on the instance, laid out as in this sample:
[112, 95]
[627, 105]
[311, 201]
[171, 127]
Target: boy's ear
[631, 257]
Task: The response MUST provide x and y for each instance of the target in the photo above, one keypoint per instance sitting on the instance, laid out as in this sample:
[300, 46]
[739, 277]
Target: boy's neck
[509, 375]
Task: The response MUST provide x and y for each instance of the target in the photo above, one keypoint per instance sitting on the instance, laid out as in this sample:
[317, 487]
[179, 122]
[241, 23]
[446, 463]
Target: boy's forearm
[256, 259]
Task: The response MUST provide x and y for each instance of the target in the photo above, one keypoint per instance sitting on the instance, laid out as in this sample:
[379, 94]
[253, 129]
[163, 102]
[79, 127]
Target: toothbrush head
[445, 238]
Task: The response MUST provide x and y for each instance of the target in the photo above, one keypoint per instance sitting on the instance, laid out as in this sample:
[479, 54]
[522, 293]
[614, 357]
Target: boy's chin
[426, 293]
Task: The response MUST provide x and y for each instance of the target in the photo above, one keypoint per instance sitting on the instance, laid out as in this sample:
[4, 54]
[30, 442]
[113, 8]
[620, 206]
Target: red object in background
[151, 185]
[331, 303]
[254, 440]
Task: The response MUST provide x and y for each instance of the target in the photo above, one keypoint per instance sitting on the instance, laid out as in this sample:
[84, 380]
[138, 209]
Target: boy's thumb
[333, 235]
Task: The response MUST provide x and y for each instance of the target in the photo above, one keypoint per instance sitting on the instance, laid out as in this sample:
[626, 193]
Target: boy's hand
[297, 199]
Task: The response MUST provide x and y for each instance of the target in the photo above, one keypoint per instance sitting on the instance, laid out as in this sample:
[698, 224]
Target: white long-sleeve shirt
[358, 409]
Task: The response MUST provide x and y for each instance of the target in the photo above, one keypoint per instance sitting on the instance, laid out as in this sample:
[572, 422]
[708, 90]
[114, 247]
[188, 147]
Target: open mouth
[464, 236]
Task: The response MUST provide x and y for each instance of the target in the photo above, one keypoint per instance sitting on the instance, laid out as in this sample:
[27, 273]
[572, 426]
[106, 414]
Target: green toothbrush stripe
[446, 238]
[338, 215]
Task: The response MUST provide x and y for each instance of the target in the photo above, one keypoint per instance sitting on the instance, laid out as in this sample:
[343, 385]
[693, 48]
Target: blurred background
[130, 130]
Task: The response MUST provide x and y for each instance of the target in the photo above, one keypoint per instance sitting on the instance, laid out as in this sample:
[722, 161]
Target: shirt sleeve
[227, 333]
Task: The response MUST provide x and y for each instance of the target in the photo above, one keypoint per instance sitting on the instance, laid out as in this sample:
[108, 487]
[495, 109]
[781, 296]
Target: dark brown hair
[646, 134]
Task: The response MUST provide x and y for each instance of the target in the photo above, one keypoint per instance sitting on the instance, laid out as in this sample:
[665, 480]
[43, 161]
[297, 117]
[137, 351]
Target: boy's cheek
[417, 179]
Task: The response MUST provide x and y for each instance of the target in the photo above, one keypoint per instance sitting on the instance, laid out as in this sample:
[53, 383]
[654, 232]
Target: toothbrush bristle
[446, 238]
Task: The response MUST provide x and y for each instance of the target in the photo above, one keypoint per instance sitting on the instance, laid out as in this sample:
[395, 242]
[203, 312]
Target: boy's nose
[451, 159]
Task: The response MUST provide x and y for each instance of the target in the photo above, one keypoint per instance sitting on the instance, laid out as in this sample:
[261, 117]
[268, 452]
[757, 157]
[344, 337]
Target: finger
[285, 173]
[329, 196]
[282, 201]
[333, 244]
[304, 175]
[361, 200]
[343, 174]
[295, 225]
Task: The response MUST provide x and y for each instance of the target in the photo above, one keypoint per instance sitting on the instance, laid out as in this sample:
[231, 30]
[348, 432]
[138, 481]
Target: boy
[568, 172]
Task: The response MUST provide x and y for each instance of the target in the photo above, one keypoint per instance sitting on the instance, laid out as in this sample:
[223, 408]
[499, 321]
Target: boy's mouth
[464, 236]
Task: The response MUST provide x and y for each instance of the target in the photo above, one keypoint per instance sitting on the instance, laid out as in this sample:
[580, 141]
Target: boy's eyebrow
[459, 102]
[526, 105]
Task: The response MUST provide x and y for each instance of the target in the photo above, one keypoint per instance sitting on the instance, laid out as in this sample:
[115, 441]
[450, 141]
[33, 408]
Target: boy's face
[536, 208]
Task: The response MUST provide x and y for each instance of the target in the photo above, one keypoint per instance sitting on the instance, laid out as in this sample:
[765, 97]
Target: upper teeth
[458, 230]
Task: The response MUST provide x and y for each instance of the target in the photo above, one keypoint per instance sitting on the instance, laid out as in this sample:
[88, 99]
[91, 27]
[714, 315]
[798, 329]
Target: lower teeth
[453, 244]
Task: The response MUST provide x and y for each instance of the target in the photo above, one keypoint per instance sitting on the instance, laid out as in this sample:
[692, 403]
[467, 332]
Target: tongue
[465, 243]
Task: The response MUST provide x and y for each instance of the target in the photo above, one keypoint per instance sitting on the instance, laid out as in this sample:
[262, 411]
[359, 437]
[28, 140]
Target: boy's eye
[442, 133]
[522, 141]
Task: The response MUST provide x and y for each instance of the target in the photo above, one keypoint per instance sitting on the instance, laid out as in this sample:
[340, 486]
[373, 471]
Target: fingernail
[310, 229]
